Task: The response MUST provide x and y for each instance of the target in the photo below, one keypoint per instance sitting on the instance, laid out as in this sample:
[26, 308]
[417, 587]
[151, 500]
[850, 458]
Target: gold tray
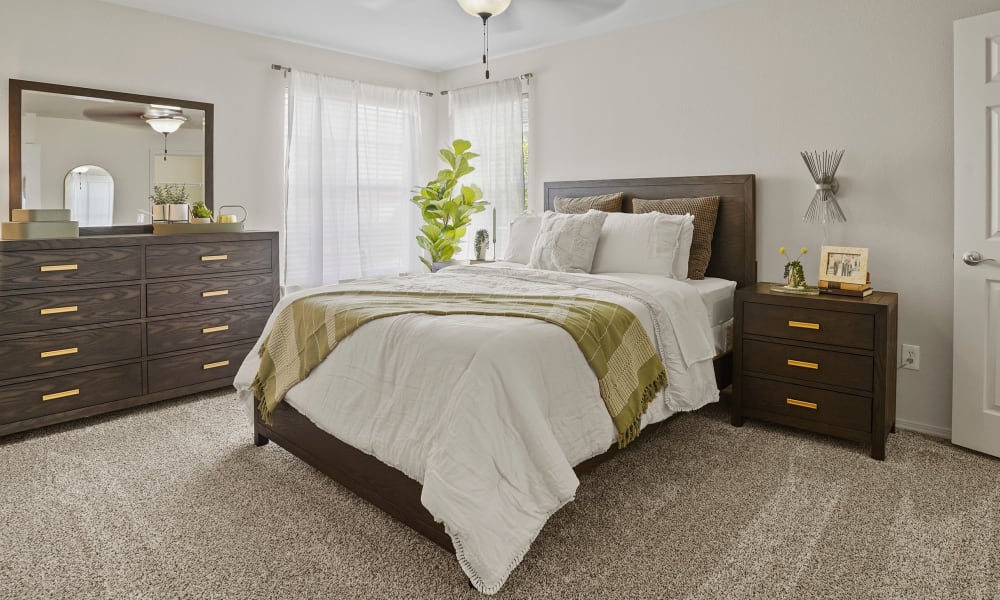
[177, 228]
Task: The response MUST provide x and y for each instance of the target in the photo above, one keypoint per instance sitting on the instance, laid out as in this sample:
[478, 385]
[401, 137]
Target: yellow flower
[781, 250]
[805, 251]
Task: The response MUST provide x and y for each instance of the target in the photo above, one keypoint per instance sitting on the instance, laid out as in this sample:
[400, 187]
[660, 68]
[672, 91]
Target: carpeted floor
[173, 501]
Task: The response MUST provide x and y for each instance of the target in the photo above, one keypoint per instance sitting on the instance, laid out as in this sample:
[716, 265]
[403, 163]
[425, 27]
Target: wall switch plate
[911, 357]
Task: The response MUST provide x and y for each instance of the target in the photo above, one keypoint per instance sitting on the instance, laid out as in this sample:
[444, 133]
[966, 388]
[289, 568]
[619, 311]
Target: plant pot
[481, 254]
[202, 220]
[435, 267]
[178, 213]
[160, 213]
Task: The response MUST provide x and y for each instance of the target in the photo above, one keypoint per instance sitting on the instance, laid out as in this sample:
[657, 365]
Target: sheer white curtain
[490, 116]
[351, 164]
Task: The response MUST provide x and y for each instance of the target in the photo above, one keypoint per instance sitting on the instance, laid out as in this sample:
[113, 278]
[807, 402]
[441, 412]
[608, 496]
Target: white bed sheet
[504, 407]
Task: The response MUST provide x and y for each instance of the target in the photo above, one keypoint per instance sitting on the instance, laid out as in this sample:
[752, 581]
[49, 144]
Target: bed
[399, 494]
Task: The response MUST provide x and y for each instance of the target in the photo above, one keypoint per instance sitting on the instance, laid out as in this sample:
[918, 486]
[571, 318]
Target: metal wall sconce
[823, 168]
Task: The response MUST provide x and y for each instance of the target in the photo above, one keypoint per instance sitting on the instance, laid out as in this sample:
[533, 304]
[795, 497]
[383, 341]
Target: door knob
[973, 258]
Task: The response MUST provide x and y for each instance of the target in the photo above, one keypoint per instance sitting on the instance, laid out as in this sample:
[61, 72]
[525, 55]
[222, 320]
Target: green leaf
[461, 146]
[448, 156]
[426, 264]
[431, 230]
[424, 243]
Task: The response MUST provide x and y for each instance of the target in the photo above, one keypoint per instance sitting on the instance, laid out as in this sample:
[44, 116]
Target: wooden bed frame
[733, 257]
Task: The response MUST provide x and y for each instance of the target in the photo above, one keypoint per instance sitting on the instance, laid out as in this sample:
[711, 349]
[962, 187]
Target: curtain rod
[286, 70]
[525, 76]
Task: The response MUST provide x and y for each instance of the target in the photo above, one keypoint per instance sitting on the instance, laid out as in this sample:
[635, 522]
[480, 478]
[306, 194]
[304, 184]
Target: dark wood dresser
[99, 323]
[823, 363]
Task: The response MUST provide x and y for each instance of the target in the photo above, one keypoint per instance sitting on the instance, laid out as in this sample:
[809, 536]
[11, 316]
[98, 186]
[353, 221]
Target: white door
[975, 392]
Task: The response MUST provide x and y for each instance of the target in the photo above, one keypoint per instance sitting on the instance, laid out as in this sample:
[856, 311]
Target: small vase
[201, 220]
[178, 213]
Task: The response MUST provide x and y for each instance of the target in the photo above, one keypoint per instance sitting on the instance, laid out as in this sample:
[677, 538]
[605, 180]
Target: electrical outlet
[911, 357]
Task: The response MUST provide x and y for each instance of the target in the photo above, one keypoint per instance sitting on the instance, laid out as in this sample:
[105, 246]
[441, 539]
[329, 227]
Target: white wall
[744, 88]
[94, 44]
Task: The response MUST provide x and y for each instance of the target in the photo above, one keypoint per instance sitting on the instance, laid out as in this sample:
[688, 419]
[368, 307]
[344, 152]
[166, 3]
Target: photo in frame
[843, 264]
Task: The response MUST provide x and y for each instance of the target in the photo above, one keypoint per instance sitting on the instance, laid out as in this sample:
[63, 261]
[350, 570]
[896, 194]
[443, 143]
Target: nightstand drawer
[68, 392]
[64, 267]
[809, 325]
[808, 364]
[810, 404]
[169, 260]
[197, 367]
[216, 292]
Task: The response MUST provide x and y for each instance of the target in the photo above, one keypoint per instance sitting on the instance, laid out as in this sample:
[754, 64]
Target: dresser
[822, 363]
[99, 323]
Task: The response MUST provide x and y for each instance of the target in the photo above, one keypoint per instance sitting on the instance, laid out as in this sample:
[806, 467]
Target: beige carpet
[173, 501]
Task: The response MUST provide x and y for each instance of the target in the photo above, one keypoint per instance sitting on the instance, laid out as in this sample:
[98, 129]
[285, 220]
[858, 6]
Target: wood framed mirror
[55, 128]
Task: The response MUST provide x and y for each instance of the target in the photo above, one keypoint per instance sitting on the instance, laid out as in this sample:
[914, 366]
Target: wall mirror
[99, 152]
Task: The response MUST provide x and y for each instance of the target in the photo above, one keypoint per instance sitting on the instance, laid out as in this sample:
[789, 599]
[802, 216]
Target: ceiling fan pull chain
[486, 45]
[164, 146]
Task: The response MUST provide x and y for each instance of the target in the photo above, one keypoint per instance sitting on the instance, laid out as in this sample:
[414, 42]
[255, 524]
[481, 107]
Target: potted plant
[482, 244]
[170, 203]
[446, 213]
[200, 213]
[794, 274]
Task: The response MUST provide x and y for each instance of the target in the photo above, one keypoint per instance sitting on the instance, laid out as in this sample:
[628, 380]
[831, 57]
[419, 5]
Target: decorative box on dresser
[99, 323]
[823, 363]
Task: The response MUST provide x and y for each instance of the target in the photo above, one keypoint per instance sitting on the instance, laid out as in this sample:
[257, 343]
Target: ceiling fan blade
[112, 115]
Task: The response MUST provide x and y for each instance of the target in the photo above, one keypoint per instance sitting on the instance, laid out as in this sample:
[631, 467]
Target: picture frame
[844, 264]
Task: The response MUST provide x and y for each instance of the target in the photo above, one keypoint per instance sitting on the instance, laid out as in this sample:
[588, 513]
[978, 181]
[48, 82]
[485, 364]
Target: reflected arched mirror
[90, 196]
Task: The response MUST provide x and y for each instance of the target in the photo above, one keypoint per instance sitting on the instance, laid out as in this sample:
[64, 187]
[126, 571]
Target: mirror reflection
[89, 194]
[142, 144]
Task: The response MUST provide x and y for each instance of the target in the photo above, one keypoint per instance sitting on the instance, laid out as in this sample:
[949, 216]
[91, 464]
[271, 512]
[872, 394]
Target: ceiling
[435, 35]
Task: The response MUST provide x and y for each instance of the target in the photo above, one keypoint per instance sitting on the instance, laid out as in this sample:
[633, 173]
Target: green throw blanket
[628, 370]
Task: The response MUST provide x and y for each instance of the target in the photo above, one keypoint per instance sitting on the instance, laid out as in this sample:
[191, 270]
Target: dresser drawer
[50, 310]
[808, 364]
[169, 260]
[801, 402]
[217, 292]
[65, 267]
[197, 367]
[43, 354]
[68, 392]
[202, 330]
[809, 325]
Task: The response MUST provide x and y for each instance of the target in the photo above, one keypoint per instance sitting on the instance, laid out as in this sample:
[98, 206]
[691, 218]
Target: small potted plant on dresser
[200, 213]
[170, 203]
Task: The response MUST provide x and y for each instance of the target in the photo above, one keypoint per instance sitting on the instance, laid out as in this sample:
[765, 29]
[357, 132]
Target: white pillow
[683, 256]
[523, 231]
[641, 243]
[566, 242]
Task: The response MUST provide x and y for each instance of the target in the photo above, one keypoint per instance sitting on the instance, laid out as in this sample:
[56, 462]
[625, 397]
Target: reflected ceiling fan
[543, 11]
[161, 118]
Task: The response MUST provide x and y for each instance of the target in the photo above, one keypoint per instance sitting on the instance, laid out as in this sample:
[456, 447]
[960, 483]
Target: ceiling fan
[161, 118]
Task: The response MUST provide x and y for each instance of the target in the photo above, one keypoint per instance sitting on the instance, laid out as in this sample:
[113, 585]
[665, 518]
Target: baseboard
[934, 430]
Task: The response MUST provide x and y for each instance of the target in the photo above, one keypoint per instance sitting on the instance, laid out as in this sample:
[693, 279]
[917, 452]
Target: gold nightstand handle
[56, 311]
[215, 257]
[803, 325]
[215, 365]
[215, 329]
[50, 268]
[803, 364]
[215, 293]
[58, 395]
[63, 352]
[795, 402]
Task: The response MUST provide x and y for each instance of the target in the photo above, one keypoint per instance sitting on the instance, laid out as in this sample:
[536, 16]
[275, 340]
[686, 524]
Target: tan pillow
[705, 211]
[578, 206]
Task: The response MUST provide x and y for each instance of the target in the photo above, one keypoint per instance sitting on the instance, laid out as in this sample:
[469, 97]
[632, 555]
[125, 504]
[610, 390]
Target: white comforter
[491, 414]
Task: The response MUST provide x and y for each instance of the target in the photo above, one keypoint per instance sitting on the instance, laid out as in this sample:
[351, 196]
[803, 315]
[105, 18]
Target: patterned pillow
[705, 211]
[567, 242]
[578, 206]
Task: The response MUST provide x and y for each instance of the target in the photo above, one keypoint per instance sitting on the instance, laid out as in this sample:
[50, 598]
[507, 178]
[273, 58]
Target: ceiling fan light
[478, 8]
[166, 124]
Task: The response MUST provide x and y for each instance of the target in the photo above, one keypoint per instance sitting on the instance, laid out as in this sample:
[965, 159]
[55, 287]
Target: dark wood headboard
[734, 246]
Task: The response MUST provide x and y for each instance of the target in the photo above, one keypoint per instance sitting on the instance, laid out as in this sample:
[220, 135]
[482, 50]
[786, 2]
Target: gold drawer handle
[62, 352]
[50, 268]
[215, 293]
[803, 325]
[215, 329]
[795, 402]
[803, 364]
[58, 395]
[56, 311]
[215, 257]
[215, 365]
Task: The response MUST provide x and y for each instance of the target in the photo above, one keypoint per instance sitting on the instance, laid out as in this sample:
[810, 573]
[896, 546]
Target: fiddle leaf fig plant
[447, 211]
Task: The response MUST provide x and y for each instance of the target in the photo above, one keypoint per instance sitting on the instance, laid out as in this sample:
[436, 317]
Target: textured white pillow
[566, 242]
[646, 243]
[523, 231]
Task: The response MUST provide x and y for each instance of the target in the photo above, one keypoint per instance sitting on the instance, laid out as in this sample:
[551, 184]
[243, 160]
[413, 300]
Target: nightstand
[821, 363]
